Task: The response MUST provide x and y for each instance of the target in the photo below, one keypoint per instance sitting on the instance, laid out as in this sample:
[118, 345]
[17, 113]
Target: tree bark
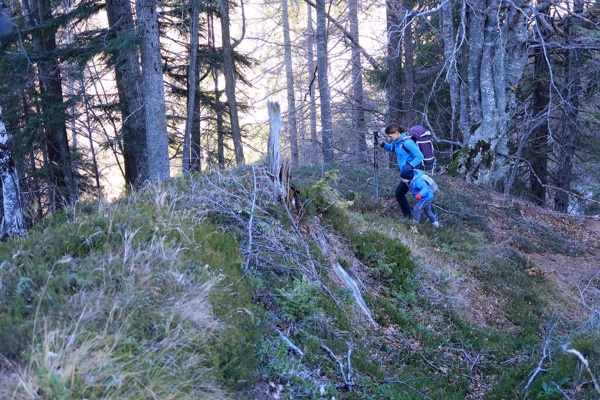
[492, 70]
[229, 72]
[38, 15]
[191, 86]
[312, 106]
[131, 102]
[13, 222]
[566, 139]
[538, 148]
[451, 58]
[217, 94]
[394, 60]
[408, 95]
[359, 126]
[273, 154]
[289, 75]
[324, 89]
[153, 91]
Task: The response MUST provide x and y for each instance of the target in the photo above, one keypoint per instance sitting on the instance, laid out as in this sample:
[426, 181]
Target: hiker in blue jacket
[409, 156]
[413, 178]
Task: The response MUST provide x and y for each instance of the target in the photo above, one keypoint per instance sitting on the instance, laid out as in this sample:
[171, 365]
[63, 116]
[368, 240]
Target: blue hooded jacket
[409, 153]
[419, 185]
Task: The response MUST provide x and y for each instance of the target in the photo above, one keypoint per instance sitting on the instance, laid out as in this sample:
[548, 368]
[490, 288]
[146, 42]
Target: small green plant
[551, 388]
[50, 386]
[299, 301]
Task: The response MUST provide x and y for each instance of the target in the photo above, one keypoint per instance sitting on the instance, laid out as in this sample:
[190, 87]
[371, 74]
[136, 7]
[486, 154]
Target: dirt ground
[575, 276]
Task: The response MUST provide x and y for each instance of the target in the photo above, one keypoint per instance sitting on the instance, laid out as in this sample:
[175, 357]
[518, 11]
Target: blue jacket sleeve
[420, 186]
[414, 151]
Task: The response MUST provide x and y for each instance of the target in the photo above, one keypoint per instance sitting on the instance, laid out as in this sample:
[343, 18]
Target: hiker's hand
[381, 144]
[409, 165]
[419, 196]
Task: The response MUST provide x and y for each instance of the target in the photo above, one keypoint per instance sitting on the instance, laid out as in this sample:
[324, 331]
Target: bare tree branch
[348, 36]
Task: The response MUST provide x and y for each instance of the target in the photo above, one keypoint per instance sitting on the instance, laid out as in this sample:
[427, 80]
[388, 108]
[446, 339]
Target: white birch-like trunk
[13, 222]
[273, 152]
[273, 155]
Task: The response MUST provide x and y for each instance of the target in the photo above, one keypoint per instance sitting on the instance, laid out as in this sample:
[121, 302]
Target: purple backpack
[422, 137]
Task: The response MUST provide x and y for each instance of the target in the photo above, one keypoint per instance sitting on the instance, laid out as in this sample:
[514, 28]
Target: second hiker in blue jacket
[420, 189]
[409, 157]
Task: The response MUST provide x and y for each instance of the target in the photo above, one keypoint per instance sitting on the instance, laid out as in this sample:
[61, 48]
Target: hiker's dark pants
[401, 191]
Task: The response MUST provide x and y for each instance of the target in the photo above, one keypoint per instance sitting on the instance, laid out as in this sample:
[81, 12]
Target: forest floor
[510, 269]
[572, 273]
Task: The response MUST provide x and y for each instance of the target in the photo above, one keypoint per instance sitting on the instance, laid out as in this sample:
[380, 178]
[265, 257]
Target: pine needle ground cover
[209, 287]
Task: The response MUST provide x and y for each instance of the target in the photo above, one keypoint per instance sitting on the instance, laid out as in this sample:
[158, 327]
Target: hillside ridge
[338, 298]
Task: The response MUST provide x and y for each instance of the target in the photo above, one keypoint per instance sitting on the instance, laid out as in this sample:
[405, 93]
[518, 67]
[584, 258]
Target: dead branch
[249, 247]
[545, 354]
[473, 360]
[351, 38]
[572, 194]
[346, 375]
[442, 370]
[586, 293]
[290, 345]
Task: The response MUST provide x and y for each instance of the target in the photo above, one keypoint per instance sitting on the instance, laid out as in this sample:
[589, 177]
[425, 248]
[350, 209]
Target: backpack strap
[408, 137]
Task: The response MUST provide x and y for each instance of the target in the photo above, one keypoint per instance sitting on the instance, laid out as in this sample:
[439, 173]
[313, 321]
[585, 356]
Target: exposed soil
[574, 272]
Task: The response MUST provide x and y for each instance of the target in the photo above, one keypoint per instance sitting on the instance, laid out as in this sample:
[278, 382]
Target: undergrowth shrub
[388, 259]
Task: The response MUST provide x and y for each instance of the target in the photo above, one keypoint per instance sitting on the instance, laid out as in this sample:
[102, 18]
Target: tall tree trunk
[131, 101]
[475, 21]
[408, 95]
[220, 122]
[312, 106]
[90, 137]
[359, 126]
[39, 13]
[289, 75]
[196, 133]
[451, 54]
[217, 93]
[13, 222]
[394, 14]
[495, 67]
[538, 148]
[191, 87]
[196, 136]
[229, 73]
[566, 138]
[153, 91]
[324, 90]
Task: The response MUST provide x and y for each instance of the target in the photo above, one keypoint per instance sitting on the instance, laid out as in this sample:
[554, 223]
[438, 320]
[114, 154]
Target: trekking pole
[376, 166]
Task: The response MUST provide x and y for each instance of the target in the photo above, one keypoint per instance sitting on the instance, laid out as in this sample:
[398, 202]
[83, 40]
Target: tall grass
[118, 305]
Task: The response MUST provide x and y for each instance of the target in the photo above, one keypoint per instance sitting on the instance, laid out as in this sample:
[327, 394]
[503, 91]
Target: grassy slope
[209, 288]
